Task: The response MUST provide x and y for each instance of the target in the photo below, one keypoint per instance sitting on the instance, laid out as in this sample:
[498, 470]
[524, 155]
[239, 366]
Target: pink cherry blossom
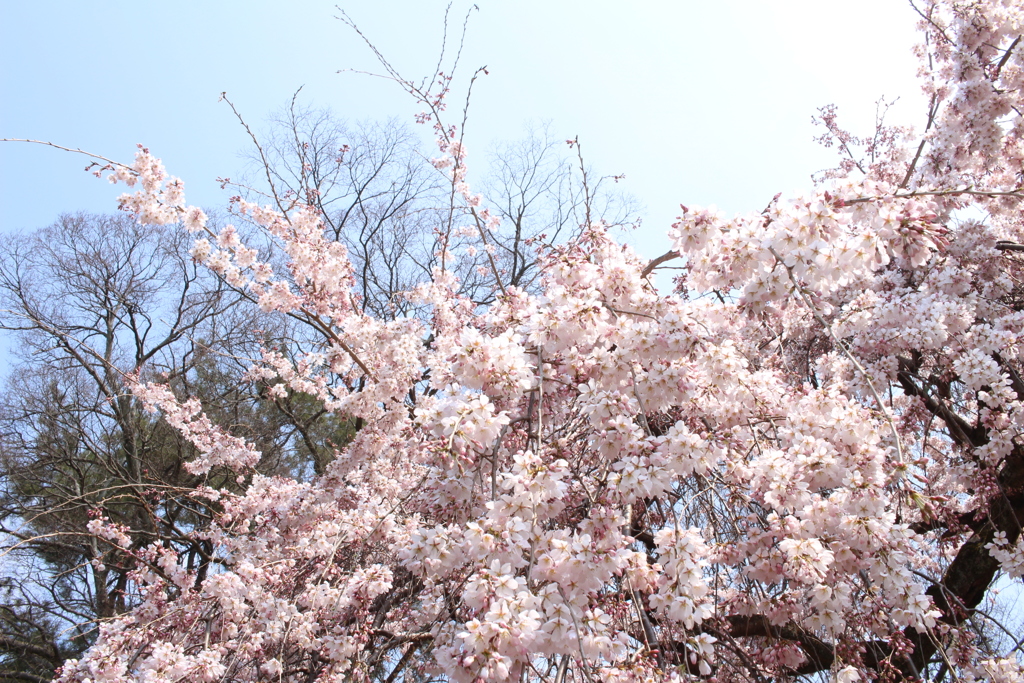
[807, 459]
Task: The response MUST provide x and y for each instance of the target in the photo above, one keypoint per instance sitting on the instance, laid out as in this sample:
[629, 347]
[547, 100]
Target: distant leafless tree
[86, 302]
[378, 194]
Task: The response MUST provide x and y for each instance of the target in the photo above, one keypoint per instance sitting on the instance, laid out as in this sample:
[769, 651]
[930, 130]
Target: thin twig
[69, 149]
[263, 156]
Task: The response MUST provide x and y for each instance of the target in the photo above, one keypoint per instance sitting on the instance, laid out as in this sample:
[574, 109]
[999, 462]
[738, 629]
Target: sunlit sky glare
[695, 102]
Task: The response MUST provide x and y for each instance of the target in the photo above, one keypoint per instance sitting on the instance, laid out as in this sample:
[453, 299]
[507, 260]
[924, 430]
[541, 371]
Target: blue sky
[696, 102]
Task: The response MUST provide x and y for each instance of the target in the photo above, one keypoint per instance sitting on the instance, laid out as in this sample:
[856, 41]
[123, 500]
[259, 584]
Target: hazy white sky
[696, 102]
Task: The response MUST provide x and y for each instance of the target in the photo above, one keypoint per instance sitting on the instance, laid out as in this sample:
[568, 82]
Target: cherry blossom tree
[806, 461]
